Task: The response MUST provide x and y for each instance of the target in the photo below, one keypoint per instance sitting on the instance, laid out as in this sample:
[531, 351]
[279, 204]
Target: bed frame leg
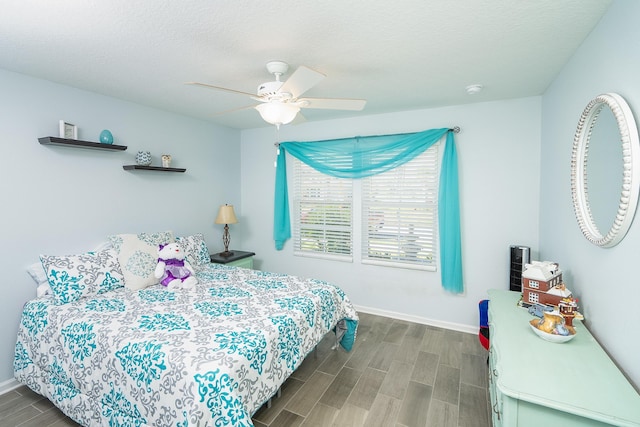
[336, 345]
[278, 394]
[315, 352]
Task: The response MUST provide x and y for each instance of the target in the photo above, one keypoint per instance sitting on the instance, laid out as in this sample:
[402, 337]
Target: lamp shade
[277, 113]
[226, 215]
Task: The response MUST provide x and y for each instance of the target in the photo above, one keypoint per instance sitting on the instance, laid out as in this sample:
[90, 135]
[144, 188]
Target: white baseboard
[417, 319]
[8, 385]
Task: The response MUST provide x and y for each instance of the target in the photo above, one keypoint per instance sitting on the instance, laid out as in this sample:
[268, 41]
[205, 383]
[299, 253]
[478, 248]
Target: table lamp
[226, 216]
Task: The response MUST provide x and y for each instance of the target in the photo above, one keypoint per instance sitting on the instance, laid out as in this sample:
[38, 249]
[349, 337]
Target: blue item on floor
[483, 333]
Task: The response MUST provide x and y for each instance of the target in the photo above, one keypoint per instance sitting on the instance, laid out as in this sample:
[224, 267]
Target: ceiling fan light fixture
[279, 101]
[277, 113]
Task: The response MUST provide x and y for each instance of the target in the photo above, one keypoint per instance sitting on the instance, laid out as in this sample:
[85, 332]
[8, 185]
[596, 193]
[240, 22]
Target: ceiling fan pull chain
[277, 144]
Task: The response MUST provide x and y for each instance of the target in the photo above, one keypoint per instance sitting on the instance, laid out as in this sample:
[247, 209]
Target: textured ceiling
[403, 55]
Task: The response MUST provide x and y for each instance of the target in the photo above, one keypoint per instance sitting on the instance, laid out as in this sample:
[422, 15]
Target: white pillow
[103, 246]
[138, 256]
[37, 273]
[195, 249]
[72, 277]
[39, 276]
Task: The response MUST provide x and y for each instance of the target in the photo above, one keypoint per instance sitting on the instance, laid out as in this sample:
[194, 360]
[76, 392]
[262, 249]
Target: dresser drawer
[244, 263]
[235, 259]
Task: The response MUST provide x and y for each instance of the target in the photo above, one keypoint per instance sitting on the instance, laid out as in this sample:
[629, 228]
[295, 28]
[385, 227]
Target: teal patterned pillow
[195, 249]
[138, 256]
[72, 277]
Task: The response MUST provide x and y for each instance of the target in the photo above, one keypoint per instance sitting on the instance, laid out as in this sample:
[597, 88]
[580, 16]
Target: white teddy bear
[173, 270]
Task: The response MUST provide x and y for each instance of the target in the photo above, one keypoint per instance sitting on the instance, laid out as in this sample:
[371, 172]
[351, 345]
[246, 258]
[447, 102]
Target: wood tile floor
[399, 374]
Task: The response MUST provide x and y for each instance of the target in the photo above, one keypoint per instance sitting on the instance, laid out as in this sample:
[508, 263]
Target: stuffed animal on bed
[173, 270]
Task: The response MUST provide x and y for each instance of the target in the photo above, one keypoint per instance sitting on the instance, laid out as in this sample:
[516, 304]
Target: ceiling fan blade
[208, 86]
[300, 118]
[332, 103]
[301, 80]
[233, 110]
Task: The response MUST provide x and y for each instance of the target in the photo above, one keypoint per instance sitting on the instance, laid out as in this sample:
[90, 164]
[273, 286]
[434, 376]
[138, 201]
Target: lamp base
[226, 254]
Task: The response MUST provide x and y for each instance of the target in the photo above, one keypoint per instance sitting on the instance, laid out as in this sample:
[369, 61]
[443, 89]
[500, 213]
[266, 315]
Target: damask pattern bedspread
[210, 356]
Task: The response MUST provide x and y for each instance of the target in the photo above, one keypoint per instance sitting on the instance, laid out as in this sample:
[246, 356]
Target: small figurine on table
[568, 308]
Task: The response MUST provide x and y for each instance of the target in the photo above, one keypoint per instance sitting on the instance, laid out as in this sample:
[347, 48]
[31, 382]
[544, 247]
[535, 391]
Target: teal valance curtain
[359, 157]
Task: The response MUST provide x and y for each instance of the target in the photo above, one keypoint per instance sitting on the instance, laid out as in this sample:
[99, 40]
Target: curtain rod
[455, 129]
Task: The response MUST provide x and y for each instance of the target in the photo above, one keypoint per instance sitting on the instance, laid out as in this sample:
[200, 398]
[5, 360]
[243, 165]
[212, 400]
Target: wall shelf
[64, 142]
[152, 168]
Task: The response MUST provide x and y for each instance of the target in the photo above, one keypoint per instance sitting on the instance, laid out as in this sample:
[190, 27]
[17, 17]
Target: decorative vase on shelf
[143, 158]
[106, 137]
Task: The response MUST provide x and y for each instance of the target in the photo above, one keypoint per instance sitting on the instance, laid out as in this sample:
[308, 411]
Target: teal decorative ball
[106, 137]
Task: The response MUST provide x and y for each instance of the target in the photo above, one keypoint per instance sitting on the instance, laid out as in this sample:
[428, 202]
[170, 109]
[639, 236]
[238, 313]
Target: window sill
[342, 258]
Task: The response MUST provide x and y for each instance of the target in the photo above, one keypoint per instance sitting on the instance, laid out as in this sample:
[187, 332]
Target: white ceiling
[398, 55]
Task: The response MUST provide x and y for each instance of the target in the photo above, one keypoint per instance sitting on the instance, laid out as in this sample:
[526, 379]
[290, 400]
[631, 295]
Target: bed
[209, 356]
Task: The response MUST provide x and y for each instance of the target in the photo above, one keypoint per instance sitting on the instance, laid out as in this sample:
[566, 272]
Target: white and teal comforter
[204, 357]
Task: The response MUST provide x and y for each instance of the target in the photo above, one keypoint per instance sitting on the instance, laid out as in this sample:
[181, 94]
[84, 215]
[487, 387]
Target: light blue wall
[514, 183]
[499, 161]
[58, 200]
[605, 280]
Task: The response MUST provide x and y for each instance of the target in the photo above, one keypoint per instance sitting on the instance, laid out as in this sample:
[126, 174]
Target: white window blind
[322, 207]
[399, 210]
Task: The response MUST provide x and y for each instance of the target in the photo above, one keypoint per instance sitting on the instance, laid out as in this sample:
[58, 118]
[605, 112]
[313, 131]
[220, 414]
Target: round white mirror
[610, 177]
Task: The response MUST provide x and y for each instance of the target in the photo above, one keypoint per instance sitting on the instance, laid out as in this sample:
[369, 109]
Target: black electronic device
[520, 255]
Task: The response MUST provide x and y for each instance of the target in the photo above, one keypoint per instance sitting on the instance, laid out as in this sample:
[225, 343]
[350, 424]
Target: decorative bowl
[551, 337]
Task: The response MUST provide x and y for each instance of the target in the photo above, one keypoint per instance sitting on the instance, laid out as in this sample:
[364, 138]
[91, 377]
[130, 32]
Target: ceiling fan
[280, 102]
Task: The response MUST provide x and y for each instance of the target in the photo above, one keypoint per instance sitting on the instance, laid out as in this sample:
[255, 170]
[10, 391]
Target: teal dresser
[533, 382]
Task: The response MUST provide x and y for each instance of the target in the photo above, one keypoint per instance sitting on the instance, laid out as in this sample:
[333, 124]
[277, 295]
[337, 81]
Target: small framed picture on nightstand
[68, 130]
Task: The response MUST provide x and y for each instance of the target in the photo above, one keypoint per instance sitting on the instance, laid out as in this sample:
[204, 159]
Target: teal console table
[533, 382]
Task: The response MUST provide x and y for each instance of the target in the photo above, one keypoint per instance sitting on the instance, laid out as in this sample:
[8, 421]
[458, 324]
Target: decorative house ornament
[544, 293]
[166, 160]
[542, 283]
[143, 158]
[568, 308]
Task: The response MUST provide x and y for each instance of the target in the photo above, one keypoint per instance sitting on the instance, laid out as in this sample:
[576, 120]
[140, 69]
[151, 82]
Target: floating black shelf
[64, 142]
[151, 168]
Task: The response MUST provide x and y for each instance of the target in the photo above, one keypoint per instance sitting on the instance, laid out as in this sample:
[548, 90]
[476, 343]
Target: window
[322, 214]
[393, 215]
[399, 211]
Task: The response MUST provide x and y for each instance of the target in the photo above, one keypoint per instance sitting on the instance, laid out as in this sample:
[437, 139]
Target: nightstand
[238, 259]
